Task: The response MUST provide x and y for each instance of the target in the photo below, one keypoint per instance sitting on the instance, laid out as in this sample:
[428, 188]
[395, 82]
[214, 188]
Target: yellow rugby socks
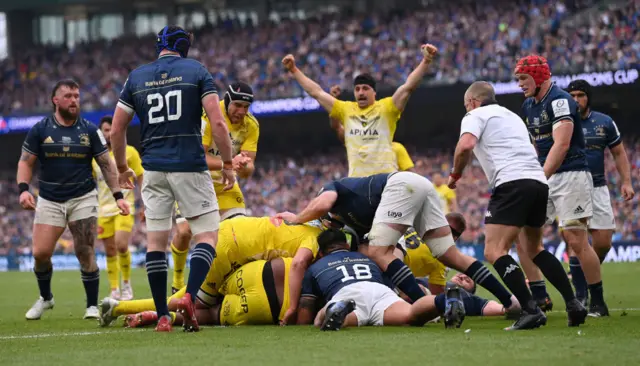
[179, 263]
[124, 260]
[113, 273]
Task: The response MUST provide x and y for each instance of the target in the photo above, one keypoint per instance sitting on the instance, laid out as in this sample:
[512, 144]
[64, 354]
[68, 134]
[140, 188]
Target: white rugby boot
[39, 308]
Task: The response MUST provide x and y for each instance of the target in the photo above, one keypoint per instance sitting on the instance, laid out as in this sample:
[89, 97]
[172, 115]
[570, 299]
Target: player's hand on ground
[627, 192]
[289, 62]
[123, 205]
[125, 180]
[335, 91]
[287, 216]
[228, 178]
[289, 317]
[27, 201]
[429, 51]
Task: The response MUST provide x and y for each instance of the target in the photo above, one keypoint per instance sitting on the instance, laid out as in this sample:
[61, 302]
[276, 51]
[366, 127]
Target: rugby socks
[553, 270]
[441, 303]
[124, 259]
[112, 273]
[200, 264]
[403, 278]
[157, 268]
[577, 277]
[597, 295]
[91, 282]
[483, 277]
[538, 289]
[134, 307]
[513, 277]
[179, 263]
[44, 283]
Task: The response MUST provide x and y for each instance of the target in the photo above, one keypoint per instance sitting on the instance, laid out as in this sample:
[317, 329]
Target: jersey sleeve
[205, 130]
[134, 161]
[561, 109]
[472, 124]
[32, 142]
[331, 186]
[339, 110]
[390, 110]
[205, 82]
[613, 134]
[308, 287]
[98, 142]
[125, 102]
[402, 156]
[251, 141]
[310, 243]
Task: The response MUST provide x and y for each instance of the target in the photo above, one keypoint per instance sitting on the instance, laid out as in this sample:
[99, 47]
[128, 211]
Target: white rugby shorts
[61, 213]
[371, 298]
[602, 218]
[192, 190]
[570, 196]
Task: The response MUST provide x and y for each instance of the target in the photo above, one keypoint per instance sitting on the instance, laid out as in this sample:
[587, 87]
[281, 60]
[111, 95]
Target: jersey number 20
[157, 102]
[360, 272]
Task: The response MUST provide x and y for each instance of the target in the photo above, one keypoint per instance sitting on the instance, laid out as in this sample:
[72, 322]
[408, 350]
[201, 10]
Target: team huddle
[370, 249]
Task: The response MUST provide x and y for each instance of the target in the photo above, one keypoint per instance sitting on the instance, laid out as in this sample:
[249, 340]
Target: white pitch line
[73, 334]
[617, 309]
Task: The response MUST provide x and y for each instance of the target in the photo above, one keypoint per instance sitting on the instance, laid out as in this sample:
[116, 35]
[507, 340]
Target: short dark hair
[72, 84]
[330, 240]
[106, 119]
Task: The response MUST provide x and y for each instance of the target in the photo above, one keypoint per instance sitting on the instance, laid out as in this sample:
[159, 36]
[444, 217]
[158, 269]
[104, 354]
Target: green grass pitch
[61, 337]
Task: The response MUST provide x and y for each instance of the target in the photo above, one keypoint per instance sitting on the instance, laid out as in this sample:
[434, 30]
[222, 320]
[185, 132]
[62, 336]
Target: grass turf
[62, 337]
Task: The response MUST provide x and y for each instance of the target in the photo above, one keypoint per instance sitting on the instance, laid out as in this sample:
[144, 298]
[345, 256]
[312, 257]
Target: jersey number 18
[360, 272]
[157, 103]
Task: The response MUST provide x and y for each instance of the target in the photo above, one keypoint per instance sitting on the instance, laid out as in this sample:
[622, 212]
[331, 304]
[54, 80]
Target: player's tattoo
[108, 168]
[84, 233]
[25, 156]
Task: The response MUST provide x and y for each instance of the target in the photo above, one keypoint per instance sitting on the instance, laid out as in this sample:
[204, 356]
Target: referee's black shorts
[518, 203]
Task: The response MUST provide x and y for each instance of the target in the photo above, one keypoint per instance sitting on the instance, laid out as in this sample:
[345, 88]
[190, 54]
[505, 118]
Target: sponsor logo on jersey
[48, 140]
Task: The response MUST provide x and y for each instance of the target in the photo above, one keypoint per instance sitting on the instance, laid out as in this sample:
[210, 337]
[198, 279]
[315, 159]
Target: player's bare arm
[562, 133]
[622, 164]
[402, 94]
[307, 310]
[108, 168]
[301, 261]
[461, 157]
[121, 119]
[312, 88]
[23, 177]
[220, 135]
[335, 123]
[317, 208]
[84, 233]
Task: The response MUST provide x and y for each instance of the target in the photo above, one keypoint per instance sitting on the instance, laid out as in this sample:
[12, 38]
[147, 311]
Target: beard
[68, 115]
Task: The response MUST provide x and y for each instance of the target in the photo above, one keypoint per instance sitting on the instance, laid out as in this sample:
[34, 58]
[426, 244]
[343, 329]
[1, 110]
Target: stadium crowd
[288, 184]
[477, 40]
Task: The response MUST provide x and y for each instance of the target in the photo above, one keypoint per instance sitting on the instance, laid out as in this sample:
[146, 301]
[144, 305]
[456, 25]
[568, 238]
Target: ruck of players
[371, 249]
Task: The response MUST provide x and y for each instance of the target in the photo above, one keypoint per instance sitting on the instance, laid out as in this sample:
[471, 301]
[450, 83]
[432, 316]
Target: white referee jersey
[504, 149]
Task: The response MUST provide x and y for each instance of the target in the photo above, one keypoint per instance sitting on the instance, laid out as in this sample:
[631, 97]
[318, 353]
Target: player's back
[166, 95]
[340, 269]
[600, 132]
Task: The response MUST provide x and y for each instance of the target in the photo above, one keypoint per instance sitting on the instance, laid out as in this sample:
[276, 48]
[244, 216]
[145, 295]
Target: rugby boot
[598, 310]
[39, 308]
[576, 312]
[454, 310]
[529, 320]
[126, 294]
[140, 320]
[336, 314]
[545, 304]
[164, 324]
[106, 311]
[187, 308]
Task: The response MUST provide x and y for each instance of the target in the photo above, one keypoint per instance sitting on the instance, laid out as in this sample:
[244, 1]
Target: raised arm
[402, 94]
[311, 87]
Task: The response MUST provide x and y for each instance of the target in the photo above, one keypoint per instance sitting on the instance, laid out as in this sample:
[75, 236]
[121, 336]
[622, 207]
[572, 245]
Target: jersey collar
[339, 251]
[168, 55]
[547, 93]
[63, 126]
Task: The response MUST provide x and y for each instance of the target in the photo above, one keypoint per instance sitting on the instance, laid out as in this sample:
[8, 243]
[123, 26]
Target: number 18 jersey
[167, 97]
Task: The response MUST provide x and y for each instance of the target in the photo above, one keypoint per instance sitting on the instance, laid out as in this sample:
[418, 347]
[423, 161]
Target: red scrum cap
[536, 66]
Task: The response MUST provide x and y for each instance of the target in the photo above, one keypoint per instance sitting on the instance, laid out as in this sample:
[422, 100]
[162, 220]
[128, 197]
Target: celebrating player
[244, 130]
[384, 206]
[554, 121]
[601, 133]
[168, 96]
[65, 145]
[113, 229]
[369, 124]
[500, 141]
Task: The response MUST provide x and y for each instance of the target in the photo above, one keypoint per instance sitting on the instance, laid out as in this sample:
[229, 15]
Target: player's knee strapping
[576, 224]
[382, 235]
[158, 224]
[204, 223]
[439, 246]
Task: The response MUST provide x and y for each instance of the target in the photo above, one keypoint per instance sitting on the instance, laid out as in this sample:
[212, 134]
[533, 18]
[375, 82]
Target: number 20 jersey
[167, 97]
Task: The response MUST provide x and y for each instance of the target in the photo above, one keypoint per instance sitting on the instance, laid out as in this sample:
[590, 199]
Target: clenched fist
[289, 62]
[428, 51]
[335, 91]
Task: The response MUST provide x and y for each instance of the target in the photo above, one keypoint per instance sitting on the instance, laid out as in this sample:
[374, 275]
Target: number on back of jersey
[359, 272]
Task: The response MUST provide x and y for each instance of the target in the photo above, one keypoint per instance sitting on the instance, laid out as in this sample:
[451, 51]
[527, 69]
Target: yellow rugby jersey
[402, 156]
[106, 201]
[421, 261]
[368, 135]
[446, 196]
[244, 137]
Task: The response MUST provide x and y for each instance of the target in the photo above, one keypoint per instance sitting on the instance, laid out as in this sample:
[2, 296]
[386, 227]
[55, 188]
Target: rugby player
[113, 229]
[447, 195]
[600, 133]
[242, 239]
[501, 143]
[555, 124]
[383, 207]
[168, 95]
[244, 130]
[65, 145]
[369, 124]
